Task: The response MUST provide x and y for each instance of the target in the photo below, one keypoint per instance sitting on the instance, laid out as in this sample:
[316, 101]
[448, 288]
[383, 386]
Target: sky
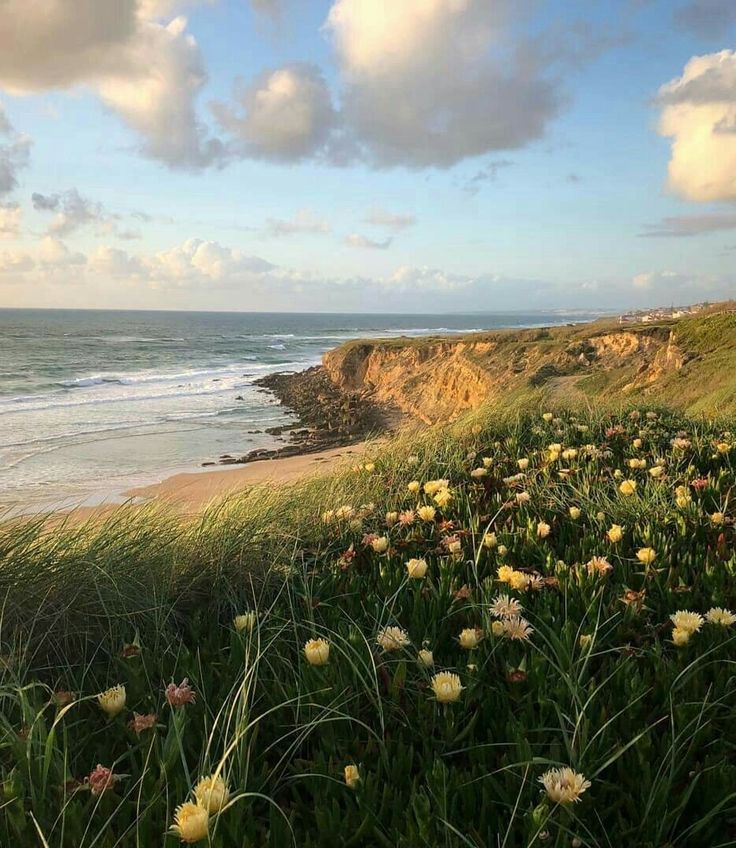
[367, 155]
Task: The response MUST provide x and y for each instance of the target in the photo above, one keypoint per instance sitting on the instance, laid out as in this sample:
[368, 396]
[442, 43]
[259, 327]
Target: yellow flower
[627, 487]
[548, 416]
[497, 628]
[518, 580]
[680, 636]
[391, 518]
[380, 545]
[575, 513]
[723, 447]
[246, 621]
[656, 472]
[517, 628]
[502, 550]
[646, 555]
[112, 701]
[443, 498]
[352, 776]
[523, 497]
[477, 473]
[599, 565]
[523, 463]
[212, 794]
[553, 456]
[687, 620]
[585, 641]
[717, 519]
[431, 487]
[504, 573]
[720, 616]
[569, 453]
[683, 501]
[487, 462]
[414, 486]
[425, 658]
[615, 533]
[370, 467]
[191, 822]
[490, 541]
[416, 568]
[637, 443]
[447, 687]
[543, 530]
[426, 513]
[392, 639]
[470, 638]
[317, 651]
[563, 785]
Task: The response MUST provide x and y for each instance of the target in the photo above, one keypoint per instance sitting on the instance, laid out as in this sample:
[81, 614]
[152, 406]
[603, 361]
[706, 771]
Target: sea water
[95, 402]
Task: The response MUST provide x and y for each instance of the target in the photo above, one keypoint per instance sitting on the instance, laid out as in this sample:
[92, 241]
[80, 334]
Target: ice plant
[543, 530]
[425, 658]
[446, 687]
[627, 488]
[564, 785]
[470, 638]
[720, 616]
[179, 695]
[317, 651]
[615, 533]
[245, 622]
[139, 723]
[416, 569]
[352, 776]
[100, 780]
[517, 628]
[426, 513]
[392, 639]
[112, 701]
[191, 822]
[212, 794]
[380, 544]
[646, 555]
[503, 606]
[686, 620]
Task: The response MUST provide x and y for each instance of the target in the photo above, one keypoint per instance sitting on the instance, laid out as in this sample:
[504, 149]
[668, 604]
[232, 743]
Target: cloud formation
[358, 240]
[147, 71]
[10, 219]
[431, 82]
[699, 114]
[395, 221]
[706, 18]
[685, 226]
[305, 221]
[15, 150]
[74, 212]
[284, 115]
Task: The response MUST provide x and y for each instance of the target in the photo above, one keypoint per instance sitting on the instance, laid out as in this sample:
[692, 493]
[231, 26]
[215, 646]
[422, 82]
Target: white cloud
[305, 221]
[432, 82]
[395, 221]
[147, 71]
[285, 114]
[358, 240]
[686, 226]
[15, 262]
[10, 218]
[699, 114]
[54, 254]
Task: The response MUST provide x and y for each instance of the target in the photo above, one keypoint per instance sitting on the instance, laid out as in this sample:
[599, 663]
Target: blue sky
[367, 155]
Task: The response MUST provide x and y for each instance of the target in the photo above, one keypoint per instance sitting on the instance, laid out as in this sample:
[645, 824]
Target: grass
[599, 686]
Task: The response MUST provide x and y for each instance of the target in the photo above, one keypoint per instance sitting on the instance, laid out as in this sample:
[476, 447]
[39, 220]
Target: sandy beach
[190, 492]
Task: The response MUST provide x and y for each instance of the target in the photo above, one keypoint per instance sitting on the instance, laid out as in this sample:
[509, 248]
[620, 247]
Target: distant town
[662, 313]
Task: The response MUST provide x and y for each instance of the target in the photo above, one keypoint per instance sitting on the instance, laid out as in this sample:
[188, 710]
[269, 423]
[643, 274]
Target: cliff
[689, 363]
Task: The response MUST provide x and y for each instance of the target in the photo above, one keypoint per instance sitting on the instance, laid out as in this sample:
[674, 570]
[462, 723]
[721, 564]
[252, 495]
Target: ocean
[93, 403]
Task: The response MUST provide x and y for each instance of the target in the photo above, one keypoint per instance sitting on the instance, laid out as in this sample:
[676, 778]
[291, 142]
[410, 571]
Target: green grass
[651, 725]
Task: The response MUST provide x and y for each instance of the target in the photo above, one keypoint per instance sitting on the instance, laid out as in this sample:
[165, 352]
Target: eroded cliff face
[438, 379]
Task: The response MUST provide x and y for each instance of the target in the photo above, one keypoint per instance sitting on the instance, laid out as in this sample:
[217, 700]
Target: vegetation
[512, 632]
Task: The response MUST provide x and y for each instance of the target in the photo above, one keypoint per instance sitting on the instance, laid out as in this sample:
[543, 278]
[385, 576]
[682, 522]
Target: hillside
[688, 363]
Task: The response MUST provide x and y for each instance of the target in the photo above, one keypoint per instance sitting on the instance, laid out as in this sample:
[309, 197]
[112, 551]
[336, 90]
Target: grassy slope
[652, 726]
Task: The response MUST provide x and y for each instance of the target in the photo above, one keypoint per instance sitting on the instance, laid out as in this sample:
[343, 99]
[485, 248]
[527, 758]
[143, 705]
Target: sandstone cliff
[436, 379]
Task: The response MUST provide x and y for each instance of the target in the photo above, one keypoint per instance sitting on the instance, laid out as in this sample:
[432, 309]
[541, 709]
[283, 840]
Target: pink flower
[179, 695]
[100, 780]
[139, 723]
